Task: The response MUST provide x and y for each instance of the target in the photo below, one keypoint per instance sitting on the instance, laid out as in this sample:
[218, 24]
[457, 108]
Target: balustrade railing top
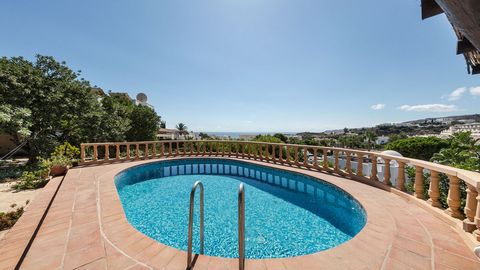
[358, 164]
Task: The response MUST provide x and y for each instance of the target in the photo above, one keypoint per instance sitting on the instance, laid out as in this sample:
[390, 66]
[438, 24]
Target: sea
[236, 135]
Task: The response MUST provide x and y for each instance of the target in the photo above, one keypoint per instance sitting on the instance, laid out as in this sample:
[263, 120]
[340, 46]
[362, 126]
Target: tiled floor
[85, 228]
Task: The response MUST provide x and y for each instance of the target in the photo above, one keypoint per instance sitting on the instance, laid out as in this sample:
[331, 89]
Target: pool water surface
[286, 214]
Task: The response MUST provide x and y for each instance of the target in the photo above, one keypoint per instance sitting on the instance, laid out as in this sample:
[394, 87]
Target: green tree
[281, 136]
[58, 102]
[463, 152]
[144, 124]
[418, 147]
[182, 128]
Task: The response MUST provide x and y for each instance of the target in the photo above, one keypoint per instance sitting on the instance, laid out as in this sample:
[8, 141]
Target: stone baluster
[453, 199]
[95, 152]
[107, 154]
[418, 182]
[470, 209]
[287, 154]
[82, 153]
[434, 190]
[359, 164]
[305, 157]
[137, 151]
[117, 152]
[145, 155]
[476, 233]
[170, 149]
[177, 149]
[337, 161]
[315, 157]
[154, 150]
[128, 152]
[386, 174]
[348, 164]
[325, 159]
[267, 152]
[162, 149]
[374, 172]
[296, 155]
[401, 176]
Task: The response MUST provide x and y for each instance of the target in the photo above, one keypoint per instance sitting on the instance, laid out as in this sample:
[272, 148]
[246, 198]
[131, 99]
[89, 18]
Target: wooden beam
[464, 46]
[430, 8]
[476, 69]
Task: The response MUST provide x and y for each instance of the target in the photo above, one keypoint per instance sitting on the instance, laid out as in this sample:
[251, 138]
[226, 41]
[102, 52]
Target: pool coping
[145, 251]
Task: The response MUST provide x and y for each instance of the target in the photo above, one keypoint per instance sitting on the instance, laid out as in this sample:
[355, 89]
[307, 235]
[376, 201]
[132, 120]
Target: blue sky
[255, 65]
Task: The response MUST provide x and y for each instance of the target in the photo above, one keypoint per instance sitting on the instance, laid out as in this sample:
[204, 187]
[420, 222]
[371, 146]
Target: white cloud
[378, 106]
[456, 94]
[475, 91]
[429, 108]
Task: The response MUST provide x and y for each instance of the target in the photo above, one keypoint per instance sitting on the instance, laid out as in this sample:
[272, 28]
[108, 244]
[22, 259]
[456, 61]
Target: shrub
[31, 180]
[8, 219]
[418, 147]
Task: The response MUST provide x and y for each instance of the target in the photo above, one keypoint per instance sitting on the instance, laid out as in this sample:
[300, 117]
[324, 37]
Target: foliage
[280, 136]
[53, 99]
[204, 136]
[15, 121]
[463, 152]
[66, 150]
[8, 219]
[144, 124]
[182, 128]
[31, 180]
[418, 147]
[267, 138]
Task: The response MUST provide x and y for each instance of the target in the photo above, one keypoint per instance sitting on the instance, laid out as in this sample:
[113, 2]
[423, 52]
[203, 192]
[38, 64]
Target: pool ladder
[241, 225]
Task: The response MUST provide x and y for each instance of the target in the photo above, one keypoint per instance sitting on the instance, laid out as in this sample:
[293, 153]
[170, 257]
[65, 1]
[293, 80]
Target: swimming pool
[287, 214]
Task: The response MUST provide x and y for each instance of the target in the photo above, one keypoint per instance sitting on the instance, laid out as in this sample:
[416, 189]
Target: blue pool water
[287, 214]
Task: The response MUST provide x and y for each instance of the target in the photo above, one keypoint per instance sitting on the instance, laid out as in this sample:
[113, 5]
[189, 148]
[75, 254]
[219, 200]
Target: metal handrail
[241, 227]
[190, 223]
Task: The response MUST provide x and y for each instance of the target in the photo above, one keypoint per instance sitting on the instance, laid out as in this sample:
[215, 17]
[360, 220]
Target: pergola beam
[430, 8]
[464, 45]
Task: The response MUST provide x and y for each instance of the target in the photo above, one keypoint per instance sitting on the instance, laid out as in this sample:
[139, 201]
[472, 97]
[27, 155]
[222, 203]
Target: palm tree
[182, 128]
[370, 136]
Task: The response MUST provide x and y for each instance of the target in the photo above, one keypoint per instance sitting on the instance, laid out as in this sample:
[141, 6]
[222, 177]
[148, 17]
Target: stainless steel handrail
[190, 222]
[241, 227]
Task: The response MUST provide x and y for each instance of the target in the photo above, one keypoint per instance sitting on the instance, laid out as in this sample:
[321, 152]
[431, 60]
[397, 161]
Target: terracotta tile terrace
[77, 221]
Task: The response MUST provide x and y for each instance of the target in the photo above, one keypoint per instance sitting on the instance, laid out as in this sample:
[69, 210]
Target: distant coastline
[236, 135]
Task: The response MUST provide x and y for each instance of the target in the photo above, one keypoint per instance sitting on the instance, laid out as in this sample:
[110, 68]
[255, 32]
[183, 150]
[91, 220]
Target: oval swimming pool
[286, 214]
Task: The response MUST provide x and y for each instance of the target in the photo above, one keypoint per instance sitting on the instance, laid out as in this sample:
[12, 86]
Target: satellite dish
[142, 97]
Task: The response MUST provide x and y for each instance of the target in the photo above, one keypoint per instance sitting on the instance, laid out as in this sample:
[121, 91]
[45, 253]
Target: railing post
[476, 233]
[145, 154]
[418, 182]
[401, 176]
[296, 155]
[267, 152]
[170, 149]
[82, 153]
[386, 174]
[337, 162]
[454, 197]
[95, 152]
[434, 190]
[154, 150]
[359, 164]
[470, 209]
[305, 157]
[374, 172]
[117, 151]
[273, 153]
[348, 164]
[128, 152]
[107, 153]
[315, 157]
[162, 149]
[137, 151]
[287, 154]
[325, 159]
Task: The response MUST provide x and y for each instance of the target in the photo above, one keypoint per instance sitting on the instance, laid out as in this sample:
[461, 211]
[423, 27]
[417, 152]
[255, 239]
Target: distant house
[474, 128]
[173, 134]
[381, 140]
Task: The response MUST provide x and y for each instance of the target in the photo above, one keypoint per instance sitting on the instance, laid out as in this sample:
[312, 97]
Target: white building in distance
[474, 128]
